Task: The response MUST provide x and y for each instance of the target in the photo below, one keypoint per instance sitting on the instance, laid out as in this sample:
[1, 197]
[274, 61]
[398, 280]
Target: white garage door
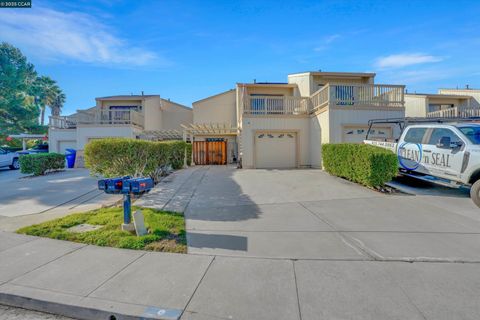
[275, 150]
[358, 134]
[66, 144]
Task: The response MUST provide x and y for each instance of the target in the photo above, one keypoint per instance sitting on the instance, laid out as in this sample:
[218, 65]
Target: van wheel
[15, 164]
[475, 193]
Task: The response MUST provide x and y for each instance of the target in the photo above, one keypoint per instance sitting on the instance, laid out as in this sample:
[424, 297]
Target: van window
[438, 133]
[415, 135]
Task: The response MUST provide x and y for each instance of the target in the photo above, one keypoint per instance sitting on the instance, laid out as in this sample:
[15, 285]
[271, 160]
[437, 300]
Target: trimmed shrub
[40, 163]
[112, 157]
[177, 153]
[365, 164]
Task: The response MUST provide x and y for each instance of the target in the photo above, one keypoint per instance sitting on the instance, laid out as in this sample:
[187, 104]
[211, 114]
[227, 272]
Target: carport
[26, 136]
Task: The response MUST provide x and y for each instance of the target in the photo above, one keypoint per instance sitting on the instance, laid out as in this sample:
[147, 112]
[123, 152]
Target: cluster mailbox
[126, 186]
[113, 185]
[138, 185]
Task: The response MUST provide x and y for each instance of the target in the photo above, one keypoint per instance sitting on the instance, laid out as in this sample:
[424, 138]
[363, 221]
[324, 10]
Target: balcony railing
[358, 95]
[99, 117]
[63, 122]
[286, 105]
[455, 112]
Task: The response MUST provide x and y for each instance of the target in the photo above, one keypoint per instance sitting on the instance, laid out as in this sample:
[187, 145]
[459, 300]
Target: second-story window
[266, 103]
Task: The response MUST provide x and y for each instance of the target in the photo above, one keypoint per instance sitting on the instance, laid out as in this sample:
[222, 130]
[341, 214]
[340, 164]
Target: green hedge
[112, 157]
[365, 164]
[39, 163]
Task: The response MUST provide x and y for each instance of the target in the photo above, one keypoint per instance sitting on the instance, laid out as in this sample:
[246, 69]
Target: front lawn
[166, 230]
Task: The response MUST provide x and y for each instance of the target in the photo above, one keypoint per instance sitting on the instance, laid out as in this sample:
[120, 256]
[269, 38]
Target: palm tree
[45, 91]
[57, 103]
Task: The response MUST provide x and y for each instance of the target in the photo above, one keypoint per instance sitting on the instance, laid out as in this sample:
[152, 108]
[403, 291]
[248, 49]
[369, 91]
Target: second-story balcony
[98, 117]
[276, 105]
[455, 112]
[358, 95]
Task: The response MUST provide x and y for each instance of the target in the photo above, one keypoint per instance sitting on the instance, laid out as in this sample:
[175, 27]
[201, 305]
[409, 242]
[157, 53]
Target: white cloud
[56, 35]
[326, 41]
[404, 60]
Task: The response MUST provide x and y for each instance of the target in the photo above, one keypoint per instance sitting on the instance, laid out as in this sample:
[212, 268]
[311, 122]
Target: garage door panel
[275, 150]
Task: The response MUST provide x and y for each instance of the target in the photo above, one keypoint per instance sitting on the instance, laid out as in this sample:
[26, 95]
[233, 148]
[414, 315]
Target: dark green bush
[137, 158]
[177, 153]
[38, 164]
[365, 164]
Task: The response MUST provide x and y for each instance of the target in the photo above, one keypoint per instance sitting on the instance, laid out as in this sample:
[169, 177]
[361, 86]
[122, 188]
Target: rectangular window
[266, 103]
[415, 135]
[344, 95]
[439, 133]
[438, 107]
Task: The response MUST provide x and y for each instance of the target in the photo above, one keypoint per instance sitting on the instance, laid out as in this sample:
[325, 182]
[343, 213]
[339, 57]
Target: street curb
[82, 308]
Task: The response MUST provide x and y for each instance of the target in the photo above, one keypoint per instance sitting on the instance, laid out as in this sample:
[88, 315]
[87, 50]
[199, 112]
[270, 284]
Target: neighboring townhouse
[447, 103]
[131, 116]
[434, 105]
[282, 125]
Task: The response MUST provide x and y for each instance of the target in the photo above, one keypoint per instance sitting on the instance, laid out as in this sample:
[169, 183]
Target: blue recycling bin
[70, 156]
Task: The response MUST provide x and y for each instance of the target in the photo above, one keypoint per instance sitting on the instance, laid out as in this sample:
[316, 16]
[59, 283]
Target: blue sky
[188, 50]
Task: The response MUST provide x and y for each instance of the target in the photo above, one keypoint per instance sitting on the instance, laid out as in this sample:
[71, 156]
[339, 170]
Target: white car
[9, 159]
[447, 154]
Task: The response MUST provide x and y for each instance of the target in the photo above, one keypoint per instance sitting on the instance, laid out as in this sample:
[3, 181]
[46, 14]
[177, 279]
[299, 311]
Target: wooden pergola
[208, 129]
[158, 135]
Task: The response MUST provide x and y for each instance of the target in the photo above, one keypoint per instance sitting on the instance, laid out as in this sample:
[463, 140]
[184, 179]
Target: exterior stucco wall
[303, 82]
[415, 106]
[174, 115]
[475, 94]
[108, 103]
[319, 133]
[270, 90]
[55, 136]
[217, 109]
[340, 118]
[286, 124]
[152, 114]
[85, 133]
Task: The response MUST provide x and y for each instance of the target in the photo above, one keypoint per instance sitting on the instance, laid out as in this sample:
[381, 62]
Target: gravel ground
[11, 313]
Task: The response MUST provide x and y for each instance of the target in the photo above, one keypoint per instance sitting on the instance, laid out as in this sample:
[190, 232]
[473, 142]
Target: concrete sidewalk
[88, 282]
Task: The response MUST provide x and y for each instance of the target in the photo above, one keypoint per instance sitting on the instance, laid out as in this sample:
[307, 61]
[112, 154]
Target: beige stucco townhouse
[131, 116]
[282, 125]
[447, 103]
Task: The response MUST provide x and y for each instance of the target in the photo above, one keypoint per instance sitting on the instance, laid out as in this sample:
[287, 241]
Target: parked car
[442, 153]
[39, 148]
[9, 159]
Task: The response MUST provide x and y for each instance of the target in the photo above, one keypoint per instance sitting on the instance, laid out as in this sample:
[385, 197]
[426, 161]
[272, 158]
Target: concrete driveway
[308, 214]
[27, 200]
[264, 244]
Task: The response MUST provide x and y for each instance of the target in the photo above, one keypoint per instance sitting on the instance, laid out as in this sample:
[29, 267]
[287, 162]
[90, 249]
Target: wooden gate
[209, 152]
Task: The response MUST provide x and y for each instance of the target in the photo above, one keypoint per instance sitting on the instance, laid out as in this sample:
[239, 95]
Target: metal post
[127, 209]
